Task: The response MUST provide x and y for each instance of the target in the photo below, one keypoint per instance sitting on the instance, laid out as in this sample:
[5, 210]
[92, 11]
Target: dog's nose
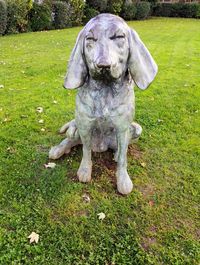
[103, 64]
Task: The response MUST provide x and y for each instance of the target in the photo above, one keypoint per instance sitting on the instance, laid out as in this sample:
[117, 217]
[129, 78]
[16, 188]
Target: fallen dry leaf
[151, 203]
[34, 237]
[39, 109]
[50, 165]
[23, 116]
[86, 198]
[7, 120]
[143, 164]
[101, 216]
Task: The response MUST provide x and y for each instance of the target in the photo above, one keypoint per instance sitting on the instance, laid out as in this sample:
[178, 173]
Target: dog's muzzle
[103, 68]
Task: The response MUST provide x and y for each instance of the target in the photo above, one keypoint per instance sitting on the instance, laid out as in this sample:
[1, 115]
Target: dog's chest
[104, 103]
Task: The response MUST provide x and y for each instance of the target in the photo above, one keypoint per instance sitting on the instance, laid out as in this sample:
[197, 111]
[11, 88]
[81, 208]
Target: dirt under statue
[106, 62]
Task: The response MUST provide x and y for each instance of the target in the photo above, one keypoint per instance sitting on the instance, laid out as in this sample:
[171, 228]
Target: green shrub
[77, 11]
[177, 10]
[114, 6]
[188, 10]
[143, 10]
[99, 5]
[3, 16]
[89, 13]
[61, 15]
[17, 15]
[128, 10]
[40, 17]
[163, 10]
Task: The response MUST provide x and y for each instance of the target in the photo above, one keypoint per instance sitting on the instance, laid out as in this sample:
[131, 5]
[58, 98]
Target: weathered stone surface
[108, 58]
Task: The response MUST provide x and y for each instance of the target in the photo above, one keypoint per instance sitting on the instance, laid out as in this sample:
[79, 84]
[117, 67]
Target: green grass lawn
[158, 222]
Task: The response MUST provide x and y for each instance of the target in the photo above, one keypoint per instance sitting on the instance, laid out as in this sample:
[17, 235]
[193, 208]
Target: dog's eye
[91, 38]
[114, 37]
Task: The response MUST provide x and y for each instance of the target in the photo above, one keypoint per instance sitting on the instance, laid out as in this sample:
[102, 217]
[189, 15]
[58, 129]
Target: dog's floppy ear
[141, 65]
[77, 70]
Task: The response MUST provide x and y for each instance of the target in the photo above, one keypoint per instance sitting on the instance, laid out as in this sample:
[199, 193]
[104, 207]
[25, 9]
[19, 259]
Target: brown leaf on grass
[34, 237]
[50, 165]
[143, 164]
[86, 198]
[151, 203]
[6, 120]
[101, 216]
[24, 116]
[39, 109]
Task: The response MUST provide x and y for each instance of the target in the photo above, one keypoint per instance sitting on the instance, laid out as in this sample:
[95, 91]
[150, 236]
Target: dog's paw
[136, 130]
[56, 152]
[124, 183]
[84, 172]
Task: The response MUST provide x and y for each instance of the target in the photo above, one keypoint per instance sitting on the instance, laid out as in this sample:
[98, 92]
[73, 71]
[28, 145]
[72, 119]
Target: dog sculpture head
[107, 47]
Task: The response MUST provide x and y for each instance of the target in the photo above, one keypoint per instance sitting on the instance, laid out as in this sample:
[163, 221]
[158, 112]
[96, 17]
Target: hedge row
[128, 10]
[28, 15]
[177, 10]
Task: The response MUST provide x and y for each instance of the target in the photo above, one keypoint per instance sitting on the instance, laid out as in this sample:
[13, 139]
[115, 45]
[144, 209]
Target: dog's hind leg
[135, 131]
[65, 146]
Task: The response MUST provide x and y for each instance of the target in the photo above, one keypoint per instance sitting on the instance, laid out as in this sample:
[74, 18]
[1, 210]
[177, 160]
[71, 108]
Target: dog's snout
[103, 64]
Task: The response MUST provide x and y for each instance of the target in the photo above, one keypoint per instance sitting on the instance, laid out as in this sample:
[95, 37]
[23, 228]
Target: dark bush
[163, 10]
[177, 10]
[128, 10]
[61, 15]
[3, 16]
[114, 6]
[188, 10]
[89, 13]
[143, 10]
[77, 11]
[40, 17]
[17, 15]
[99, 5]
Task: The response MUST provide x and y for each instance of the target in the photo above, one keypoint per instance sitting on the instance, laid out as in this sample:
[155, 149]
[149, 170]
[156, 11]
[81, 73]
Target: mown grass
[158, 223]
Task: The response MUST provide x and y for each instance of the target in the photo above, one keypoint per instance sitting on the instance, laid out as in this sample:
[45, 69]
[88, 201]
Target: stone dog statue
[108, 58]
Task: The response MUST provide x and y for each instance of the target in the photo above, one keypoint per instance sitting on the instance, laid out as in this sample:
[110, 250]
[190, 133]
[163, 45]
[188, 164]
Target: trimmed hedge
[77, 11]
[3, 16]
[17, 15]
[114, 6]
[143, 10]
[61, 15]
[89, 13]
[177, 10]
[40, 17]
[128, 10]
[99, 5]
[24, 15]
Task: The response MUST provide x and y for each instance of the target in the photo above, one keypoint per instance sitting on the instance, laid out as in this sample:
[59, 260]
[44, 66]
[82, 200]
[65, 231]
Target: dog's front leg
[124, 183]
[85, 169]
